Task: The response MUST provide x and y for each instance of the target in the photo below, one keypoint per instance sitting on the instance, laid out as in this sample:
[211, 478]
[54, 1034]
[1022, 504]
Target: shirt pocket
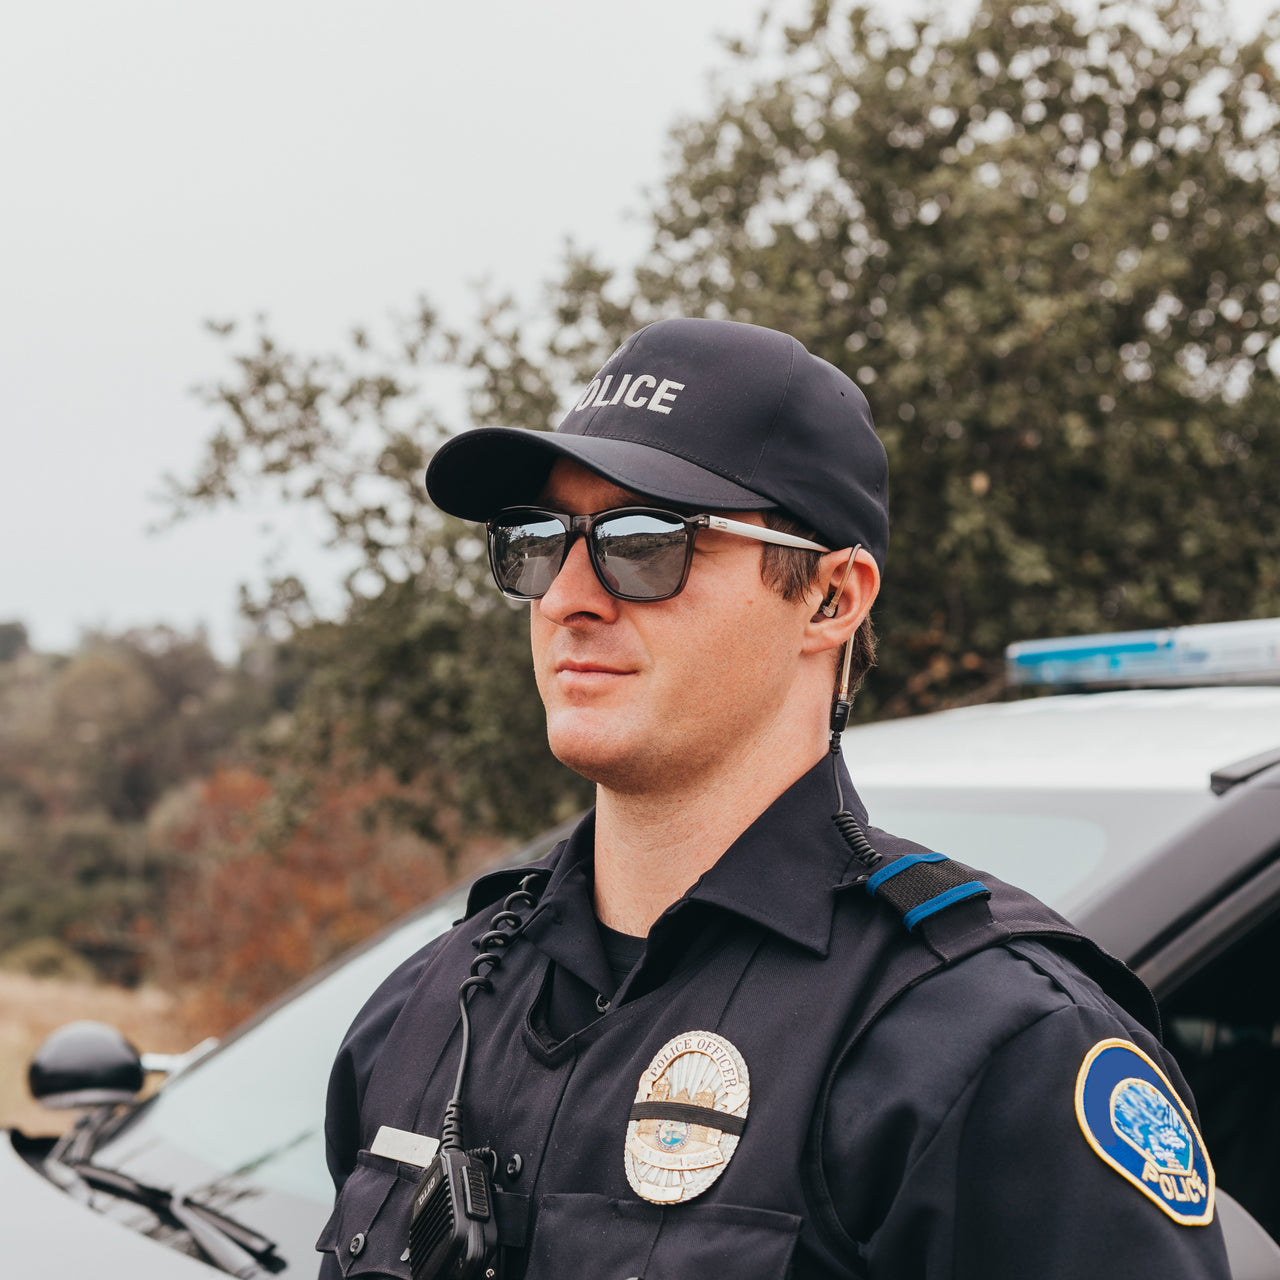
[592, 1235]
[368, 1230]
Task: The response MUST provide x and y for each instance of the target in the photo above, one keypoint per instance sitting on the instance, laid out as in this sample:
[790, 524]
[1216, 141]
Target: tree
[88, 743]
[131, 715]
[1047, 248]
[262, 891]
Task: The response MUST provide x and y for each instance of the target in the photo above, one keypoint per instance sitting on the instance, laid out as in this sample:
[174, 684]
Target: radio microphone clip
[453, 1229]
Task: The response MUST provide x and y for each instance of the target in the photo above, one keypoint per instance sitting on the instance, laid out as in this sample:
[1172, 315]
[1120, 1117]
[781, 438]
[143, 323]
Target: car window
[1223, 1024]
[1063, 845]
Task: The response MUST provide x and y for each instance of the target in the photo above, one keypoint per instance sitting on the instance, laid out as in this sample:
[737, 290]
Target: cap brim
[479, 472]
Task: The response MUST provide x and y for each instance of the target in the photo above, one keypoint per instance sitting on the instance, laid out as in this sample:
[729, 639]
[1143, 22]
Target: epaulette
[919, 885]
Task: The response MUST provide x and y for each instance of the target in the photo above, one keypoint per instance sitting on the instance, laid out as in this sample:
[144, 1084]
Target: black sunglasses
[637, 553]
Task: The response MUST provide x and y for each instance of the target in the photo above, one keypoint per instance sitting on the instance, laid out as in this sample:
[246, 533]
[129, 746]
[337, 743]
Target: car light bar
[1211, 653]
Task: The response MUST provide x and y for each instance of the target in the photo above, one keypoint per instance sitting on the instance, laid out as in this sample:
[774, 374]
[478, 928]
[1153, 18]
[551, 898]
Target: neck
[651, 847]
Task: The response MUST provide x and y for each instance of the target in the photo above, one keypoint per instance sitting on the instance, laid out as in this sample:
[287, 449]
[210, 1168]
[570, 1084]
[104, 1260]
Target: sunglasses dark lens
[526, 553]
[641, 554]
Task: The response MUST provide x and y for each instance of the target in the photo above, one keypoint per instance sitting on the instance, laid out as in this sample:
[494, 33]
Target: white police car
[1150, 816]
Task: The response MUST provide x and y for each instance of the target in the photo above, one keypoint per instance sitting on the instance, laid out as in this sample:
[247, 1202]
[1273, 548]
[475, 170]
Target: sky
[318, 161]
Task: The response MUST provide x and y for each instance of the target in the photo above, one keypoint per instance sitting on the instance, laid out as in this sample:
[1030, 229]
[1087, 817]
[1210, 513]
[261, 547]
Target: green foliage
[349, 435]
[119, 721]
[82, 880]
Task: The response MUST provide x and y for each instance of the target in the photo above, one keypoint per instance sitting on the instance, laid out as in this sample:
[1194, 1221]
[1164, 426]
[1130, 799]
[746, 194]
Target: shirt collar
[565, 930]
[784, 870]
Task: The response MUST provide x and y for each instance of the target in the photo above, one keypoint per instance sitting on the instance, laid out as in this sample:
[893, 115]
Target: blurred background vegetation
[1049, 250]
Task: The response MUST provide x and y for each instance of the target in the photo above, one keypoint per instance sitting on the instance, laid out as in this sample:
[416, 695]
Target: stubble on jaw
[647, 761]
[620, 770]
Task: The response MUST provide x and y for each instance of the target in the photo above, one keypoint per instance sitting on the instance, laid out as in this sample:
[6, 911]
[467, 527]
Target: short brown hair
[792, 573]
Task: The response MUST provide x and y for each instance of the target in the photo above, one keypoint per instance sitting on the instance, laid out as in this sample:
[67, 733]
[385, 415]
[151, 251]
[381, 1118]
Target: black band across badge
[687, 1118]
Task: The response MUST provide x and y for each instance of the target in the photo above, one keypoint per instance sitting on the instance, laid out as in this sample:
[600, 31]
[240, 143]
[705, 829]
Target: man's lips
[571, 667]
[575, 672]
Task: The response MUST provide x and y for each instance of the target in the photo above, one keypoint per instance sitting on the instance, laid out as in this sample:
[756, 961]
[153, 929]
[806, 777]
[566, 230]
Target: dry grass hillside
[30, 1008]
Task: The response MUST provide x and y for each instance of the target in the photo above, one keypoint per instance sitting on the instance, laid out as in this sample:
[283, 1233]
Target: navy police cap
[705, 414]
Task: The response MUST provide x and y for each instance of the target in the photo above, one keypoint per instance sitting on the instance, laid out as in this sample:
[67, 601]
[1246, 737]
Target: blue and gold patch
[1134, 1119]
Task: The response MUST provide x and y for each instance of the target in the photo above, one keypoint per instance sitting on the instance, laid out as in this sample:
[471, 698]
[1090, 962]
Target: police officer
[723, 1031]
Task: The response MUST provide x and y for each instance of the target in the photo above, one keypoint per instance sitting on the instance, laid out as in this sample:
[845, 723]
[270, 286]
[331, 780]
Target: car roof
[1159, 739]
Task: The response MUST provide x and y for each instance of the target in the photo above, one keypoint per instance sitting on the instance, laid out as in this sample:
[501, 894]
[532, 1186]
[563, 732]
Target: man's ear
[849, 581]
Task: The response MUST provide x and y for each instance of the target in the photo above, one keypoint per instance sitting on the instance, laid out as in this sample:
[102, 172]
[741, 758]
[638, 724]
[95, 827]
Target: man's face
[641, 695]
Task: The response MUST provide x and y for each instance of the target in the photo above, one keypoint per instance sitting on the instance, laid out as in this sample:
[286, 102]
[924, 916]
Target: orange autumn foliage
[276, 878]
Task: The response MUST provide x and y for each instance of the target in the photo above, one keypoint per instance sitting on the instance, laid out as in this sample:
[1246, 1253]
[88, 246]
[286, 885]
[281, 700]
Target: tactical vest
[563, 1108]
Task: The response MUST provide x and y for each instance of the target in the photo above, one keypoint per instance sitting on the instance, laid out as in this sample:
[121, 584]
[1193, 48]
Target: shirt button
[356, 1247]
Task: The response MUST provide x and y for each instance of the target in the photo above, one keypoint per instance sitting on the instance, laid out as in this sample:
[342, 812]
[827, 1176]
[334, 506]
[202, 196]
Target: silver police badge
[687, 1118]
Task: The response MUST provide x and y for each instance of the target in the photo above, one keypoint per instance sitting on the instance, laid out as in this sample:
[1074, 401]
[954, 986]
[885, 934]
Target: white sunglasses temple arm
[761, 534]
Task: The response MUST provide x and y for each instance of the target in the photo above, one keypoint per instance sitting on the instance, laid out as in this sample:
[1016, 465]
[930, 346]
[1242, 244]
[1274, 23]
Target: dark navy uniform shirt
[913, 1095]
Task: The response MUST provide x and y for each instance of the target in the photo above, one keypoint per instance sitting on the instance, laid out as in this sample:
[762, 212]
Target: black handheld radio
[453, 1231]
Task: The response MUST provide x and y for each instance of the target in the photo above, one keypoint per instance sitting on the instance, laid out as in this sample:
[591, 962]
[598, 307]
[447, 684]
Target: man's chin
[607, 758]
[592, 761]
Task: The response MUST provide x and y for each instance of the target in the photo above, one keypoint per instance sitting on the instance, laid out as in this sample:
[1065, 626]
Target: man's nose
[576, 591]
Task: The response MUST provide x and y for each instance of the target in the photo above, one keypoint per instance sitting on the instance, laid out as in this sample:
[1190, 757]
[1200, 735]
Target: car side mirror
[85, 1064]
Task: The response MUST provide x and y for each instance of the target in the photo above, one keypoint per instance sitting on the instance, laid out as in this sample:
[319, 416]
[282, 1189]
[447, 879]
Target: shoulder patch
[1134, 1119]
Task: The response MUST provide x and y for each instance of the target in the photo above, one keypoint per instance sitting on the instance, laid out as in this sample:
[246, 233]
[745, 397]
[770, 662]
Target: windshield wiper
[230, 1245]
